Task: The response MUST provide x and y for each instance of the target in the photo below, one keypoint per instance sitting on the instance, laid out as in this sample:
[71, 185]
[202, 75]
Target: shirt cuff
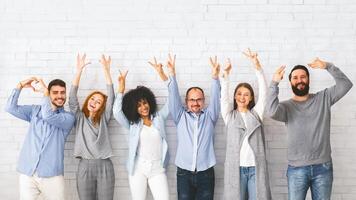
[166, 82]
[119, 94]
[329, 65]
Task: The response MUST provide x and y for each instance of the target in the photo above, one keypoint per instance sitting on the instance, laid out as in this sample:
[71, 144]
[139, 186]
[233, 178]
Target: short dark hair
[302, 67]
[251, 104]
[56, 82]
[195, 88]
[131, 99]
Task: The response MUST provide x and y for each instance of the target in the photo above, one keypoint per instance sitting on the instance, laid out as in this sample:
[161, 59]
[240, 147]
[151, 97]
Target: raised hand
[42, 87]
[253, 57]
[227, 68]
[278, 75]
[105, 62]
[157, 66]
[122, 81]
[27, 83]
[317, 63]
[171, 64]
[81, 62]
[215, 67]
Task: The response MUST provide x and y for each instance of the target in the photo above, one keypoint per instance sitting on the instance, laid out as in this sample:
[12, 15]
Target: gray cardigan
[236, 132]
[91, 142]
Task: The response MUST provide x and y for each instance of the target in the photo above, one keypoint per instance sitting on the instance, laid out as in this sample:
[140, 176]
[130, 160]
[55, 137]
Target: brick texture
[41, 38]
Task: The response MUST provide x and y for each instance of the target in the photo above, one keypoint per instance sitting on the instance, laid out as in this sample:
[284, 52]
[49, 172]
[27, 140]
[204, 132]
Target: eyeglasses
[200, 100]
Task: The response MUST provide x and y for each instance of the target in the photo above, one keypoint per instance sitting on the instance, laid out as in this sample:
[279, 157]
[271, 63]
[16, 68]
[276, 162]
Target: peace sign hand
[105, 62]
[158, 66]
[253, 57]
[317, 63]
[227, 68]
[216, 67]
[122, 80]
[171, 64]
[81, 62]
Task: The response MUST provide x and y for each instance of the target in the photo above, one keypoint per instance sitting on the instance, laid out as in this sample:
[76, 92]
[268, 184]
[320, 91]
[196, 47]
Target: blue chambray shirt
[158, 121]
[195, 133]
[43, 149]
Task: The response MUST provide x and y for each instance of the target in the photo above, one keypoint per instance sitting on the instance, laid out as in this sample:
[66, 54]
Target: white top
[150, 146]
[247, 157]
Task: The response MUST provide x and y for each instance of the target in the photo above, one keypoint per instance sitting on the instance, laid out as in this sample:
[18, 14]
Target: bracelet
[21, 84]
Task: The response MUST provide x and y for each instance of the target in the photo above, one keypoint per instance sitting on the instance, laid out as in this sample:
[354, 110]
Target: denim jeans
[318, 177]
[247, 183]
[195, 185]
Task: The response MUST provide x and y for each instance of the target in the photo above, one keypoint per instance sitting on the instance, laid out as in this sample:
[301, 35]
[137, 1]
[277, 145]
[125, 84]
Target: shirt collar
[201, 112]
[59, 110]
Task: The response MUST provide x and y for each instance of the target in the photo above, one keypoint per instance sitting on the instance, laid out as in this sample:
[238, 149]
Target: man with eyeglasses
[195, 157]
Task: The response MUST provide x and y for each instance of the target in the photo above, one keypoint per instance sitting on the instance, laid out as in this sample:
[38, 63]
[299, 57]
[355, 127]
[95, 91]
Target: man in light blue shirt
[195, 156]
[41, 159]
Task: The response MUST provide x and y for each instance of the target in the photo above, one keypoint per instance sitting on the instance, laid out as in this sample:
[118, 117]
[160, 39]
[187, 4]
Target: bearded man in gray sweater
[307, 117]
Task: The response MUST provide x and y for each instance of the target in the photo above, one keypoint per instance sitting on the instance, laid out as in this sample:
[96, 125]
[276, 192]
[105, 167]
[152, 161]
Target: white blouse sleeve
[225, 101]
[262, 93]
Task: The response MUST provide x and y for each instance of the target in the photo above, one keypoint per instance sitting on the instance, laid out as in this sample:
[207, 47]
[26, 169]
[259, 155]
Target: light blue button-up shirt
[158, 121]
[43, 149]
[195, 133]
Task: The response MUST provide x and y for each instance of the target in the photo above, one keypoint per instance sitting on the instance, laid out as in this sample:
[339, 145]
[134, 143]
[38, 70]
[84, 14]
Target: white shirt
[247, 157]
[150, 146]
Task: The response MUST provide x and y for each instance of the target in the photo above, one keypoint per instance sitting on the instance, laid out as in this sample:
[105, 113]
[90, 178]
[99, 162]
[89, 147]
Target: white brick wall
[42, 37]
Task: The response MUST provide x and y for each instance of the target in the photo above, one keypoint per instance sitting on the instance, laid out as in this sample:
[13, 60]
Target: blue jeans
[195, 185]
[318, 177]
[247, 183]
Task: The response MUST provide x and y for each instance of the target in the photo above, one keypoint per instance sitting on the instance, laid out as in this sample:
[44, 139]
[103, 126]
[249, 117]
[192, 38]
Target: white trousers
[152, 174]
[32, 187]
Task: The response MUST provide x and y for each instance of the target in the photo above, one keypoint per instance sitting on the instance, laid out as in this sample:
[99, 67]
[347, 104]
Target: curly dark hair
[248, 86]
[131, 99]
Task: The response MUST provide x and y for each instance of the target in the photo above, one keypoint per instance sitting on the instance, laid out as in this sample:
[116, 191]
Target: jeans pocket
[210, 173]
[289, 170]
[327, 165]
[294, 171]
[181, 172]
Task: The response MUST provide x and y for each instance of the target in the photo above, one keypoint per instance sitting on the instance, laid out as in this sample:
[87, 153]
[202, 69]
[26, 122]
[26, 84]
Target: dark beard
[299, 92]
[57, 106]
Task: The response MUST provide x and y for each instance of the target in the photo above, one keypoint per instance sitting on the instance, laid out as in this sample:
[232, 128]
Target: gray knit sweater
[91, 142]
[308, 122]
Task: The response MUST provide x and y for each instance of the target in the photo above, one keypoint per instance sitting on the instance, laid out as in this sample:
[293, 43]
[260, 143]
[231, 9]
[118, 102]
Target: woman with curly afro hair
[148, 148]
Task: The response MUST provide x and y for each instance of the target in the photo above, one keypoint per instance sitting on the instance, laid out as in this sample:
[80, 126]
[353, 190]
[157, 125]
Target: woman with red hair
[95, 176]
